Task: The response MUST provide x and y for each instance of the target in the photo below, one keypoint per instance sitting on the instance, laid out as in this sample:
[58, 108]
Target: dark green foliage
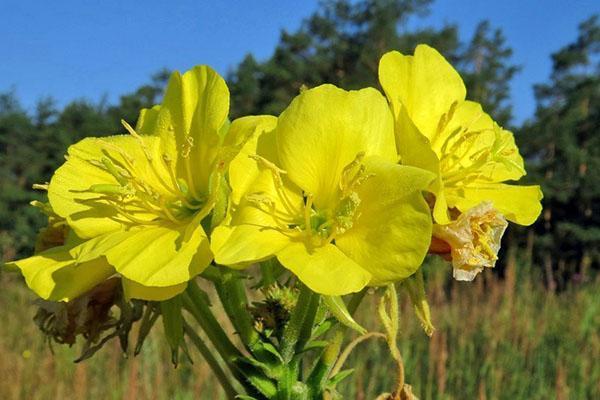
[342, 43]
[486, 72]
[563, 145]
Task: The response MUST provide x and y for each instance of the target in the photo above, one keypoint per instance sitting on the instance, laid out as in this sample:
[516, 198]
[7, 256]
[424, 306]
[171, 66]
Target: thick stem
[212, 362]
[195, 302]
[295, 327]
[232, 294]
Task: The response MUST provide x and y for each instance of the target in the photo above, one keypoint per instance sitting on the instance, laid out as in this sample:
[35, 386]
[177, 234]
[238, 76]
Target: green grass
[495, 339]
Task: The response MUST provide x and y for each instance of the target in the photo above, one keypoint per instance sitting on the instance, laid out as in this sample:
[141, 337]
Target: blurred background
[529, 329]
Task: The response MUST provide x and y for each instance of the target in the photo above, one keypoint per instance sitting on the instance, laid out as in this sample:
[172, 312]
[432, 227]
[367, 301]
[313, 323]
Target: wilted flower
[473, 240]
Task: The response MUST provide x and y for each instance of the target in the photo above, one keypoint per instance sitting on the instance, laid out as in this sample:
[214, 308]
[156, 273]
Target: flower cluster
[346, 189]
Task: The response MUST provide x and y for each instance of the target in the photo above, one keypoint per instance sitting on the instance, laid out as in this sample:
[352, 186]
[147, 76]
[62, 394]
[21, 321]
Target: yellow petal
[260, 207]
[134, 290]
[241, 245]
[426, 84]
[69, 190]
[520, 204]
[324, 129]
[147, 121]
[190, 121]
[391, 237]
[156, 255]
[248, 128]
[325, 270]
[55, 275]
[245, 170]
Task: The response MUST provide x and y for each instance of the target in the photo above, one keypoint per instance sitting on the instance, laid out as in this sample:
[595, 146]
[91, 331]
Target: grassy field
[495, 339]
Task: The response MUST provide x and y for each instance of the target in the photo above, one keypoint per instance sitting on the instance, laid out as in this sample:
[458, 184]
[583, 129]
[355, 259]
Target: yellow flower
[135, 202]
[437, 129]
[324, 194]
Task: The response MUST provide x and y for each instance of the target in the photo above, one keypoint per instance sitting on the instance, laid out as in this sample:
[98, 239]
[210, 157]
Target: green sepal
[148, 320]
[340, 376]
[173, 325]
[339, 310]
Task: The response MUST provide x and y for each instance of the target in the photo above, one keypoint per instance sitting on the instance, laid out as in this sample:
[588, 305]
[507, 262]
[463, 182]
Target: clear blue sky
[73, 49]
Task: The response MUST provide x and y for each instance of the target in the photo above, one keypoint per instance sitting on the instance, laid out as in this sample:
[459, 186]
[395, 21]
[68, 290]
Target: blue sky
[73, 49]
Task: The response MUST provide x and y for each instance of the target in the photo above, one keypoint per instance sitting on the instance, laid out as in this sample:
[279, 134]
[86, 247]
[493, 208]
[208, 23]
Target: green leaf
[315, 344]
[338, 308]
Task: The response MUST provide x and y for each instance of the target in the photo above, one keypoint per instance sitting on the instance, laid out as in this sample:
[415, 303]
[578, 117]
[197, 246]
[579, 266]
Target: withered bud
[98, 316]
[472, 240]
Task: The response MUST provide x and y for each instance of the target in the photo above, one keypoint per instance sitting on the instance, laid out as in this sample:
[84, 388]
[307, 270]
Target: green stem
[267, 273]
[195, 301]
[232, 294]
[346, 353]
[321, 371]
[212, 362]
[295, 326]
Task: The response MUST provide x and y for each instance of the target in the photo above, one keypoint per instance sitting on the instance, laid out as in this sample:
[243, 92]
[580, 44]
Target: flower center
[316, 226]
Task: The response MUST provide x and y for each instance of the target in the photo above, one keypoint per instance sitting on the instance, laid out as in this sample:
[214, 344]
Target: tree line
[341, 43]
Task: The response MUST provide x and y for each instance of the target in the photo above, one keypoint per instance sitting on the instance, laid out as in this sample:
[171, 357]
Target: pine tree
[341, 43]
[487, 71]
[563, 144]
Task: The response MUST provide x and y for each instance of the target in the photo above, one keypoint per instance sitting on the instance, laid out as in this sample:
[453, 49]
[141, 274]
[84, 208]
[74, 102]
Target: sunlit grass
[495, 339]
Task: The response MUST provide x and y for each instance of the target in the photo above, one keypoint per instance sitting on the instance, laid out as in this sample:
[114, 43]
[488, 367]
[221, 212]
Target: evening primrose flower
[324, 194]
[470, 154]
[136, 202]
[437, 129]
